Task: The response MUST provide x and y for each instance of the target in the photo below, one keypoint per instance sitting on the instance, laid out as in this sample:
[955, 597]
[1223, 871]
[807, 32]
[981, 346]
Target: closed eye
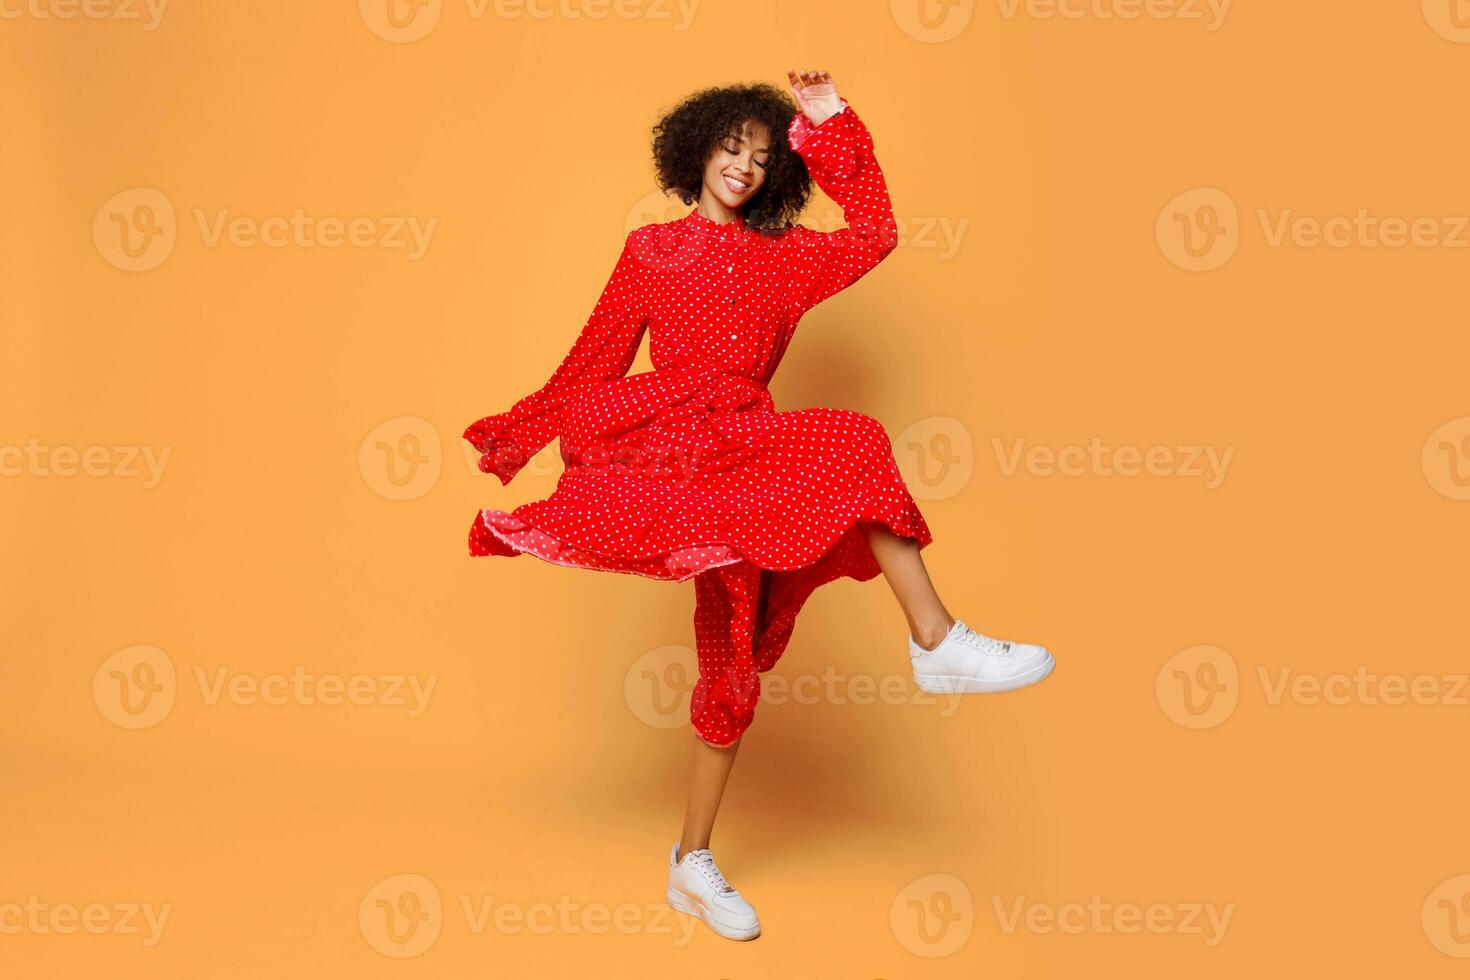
[734, 150]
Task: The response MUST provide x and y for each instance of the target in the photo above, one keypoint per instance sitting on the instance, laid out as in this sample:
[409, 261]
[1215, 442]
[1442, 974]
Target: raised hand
[815, 93]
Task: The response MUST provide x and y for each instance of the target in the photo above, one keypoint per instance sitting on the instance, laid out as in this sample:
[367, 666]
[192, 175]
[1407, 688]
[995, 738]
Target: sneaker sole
[946, 684]
[680, 902]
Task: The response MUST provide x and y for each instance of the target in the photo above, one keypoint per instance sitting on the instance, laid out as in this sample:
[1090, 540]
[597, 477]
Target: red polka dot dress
[688, 471]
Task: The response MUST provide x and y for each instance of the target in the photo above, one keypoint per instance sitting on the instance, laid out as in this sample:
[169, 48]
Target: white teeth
[735, 185]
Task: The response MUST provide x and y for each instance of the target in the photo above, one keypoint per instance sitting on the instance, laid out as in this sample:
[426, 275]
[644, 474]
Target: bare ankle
[930, 635]
[686, 848]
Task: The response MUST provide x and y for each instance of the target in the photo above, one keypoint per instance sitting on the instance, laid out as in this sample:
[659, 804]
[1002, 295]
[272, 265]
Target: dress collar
[734, 228]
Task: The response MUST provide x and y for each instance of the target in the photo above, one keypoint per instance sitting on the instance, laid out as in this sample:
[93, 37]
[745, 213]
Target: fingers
[807, 77]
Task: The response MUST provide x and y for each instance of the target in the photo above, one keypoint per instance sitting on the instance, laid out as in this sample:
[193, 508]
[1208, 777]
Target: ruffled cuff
[500, 454]
[723, 707]
[836, 147]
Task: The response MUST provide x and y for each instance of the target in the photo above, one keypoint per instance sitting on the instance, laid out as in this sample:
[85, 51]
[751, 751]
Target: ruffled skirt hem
[498, 532]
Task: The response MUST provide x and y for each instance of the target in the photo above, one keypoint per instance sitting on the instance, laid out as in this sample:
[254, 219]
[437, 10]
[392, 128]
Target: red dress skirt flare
[688, 470]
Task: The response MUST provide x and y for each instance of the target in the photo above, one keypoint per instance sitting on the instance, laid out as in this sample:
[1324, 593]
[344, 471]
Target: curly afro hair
[686, 136]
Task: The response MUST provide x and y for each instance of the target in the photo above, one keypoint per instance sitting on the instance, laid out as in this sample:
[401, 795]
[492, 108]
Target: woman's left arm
[839, 155]
[604, 349]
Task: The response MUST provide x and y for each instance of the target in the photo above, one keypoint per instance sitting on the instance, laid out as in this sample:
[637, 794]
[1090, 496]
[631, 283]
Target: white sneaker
[697, 887]
[969, 662]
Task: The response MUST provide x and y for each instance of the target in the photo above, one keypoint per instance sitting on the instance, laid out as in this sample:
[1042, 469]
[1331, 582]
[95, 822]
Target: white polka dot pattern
[688, 470]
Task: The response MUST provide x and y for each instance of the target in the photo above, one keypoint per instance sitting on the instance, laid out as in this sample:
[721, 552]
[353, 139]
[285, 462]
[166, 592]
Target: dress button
[729, 268]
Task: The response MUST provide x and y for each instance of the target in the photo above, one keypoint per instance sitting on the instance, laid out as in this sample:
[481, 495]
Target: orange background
[296, 388]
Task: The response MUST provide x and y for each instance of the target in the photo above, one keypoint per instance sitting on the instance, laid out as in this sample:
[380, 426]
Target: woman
[688, 471]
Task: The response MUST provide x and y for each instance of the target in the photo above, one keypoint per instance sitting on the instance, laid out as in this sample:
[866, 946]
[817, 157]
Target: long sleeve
[839, 155]
[604, 350]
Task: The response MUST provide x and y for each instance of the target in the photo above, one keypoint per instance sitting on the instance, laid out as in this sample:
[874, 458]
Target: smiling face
[737, 167]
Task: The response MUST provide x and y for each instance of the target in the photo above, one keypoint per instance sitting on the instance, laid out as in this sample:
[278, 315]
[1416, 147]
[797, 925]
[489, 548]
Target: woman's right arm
[838, 153]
